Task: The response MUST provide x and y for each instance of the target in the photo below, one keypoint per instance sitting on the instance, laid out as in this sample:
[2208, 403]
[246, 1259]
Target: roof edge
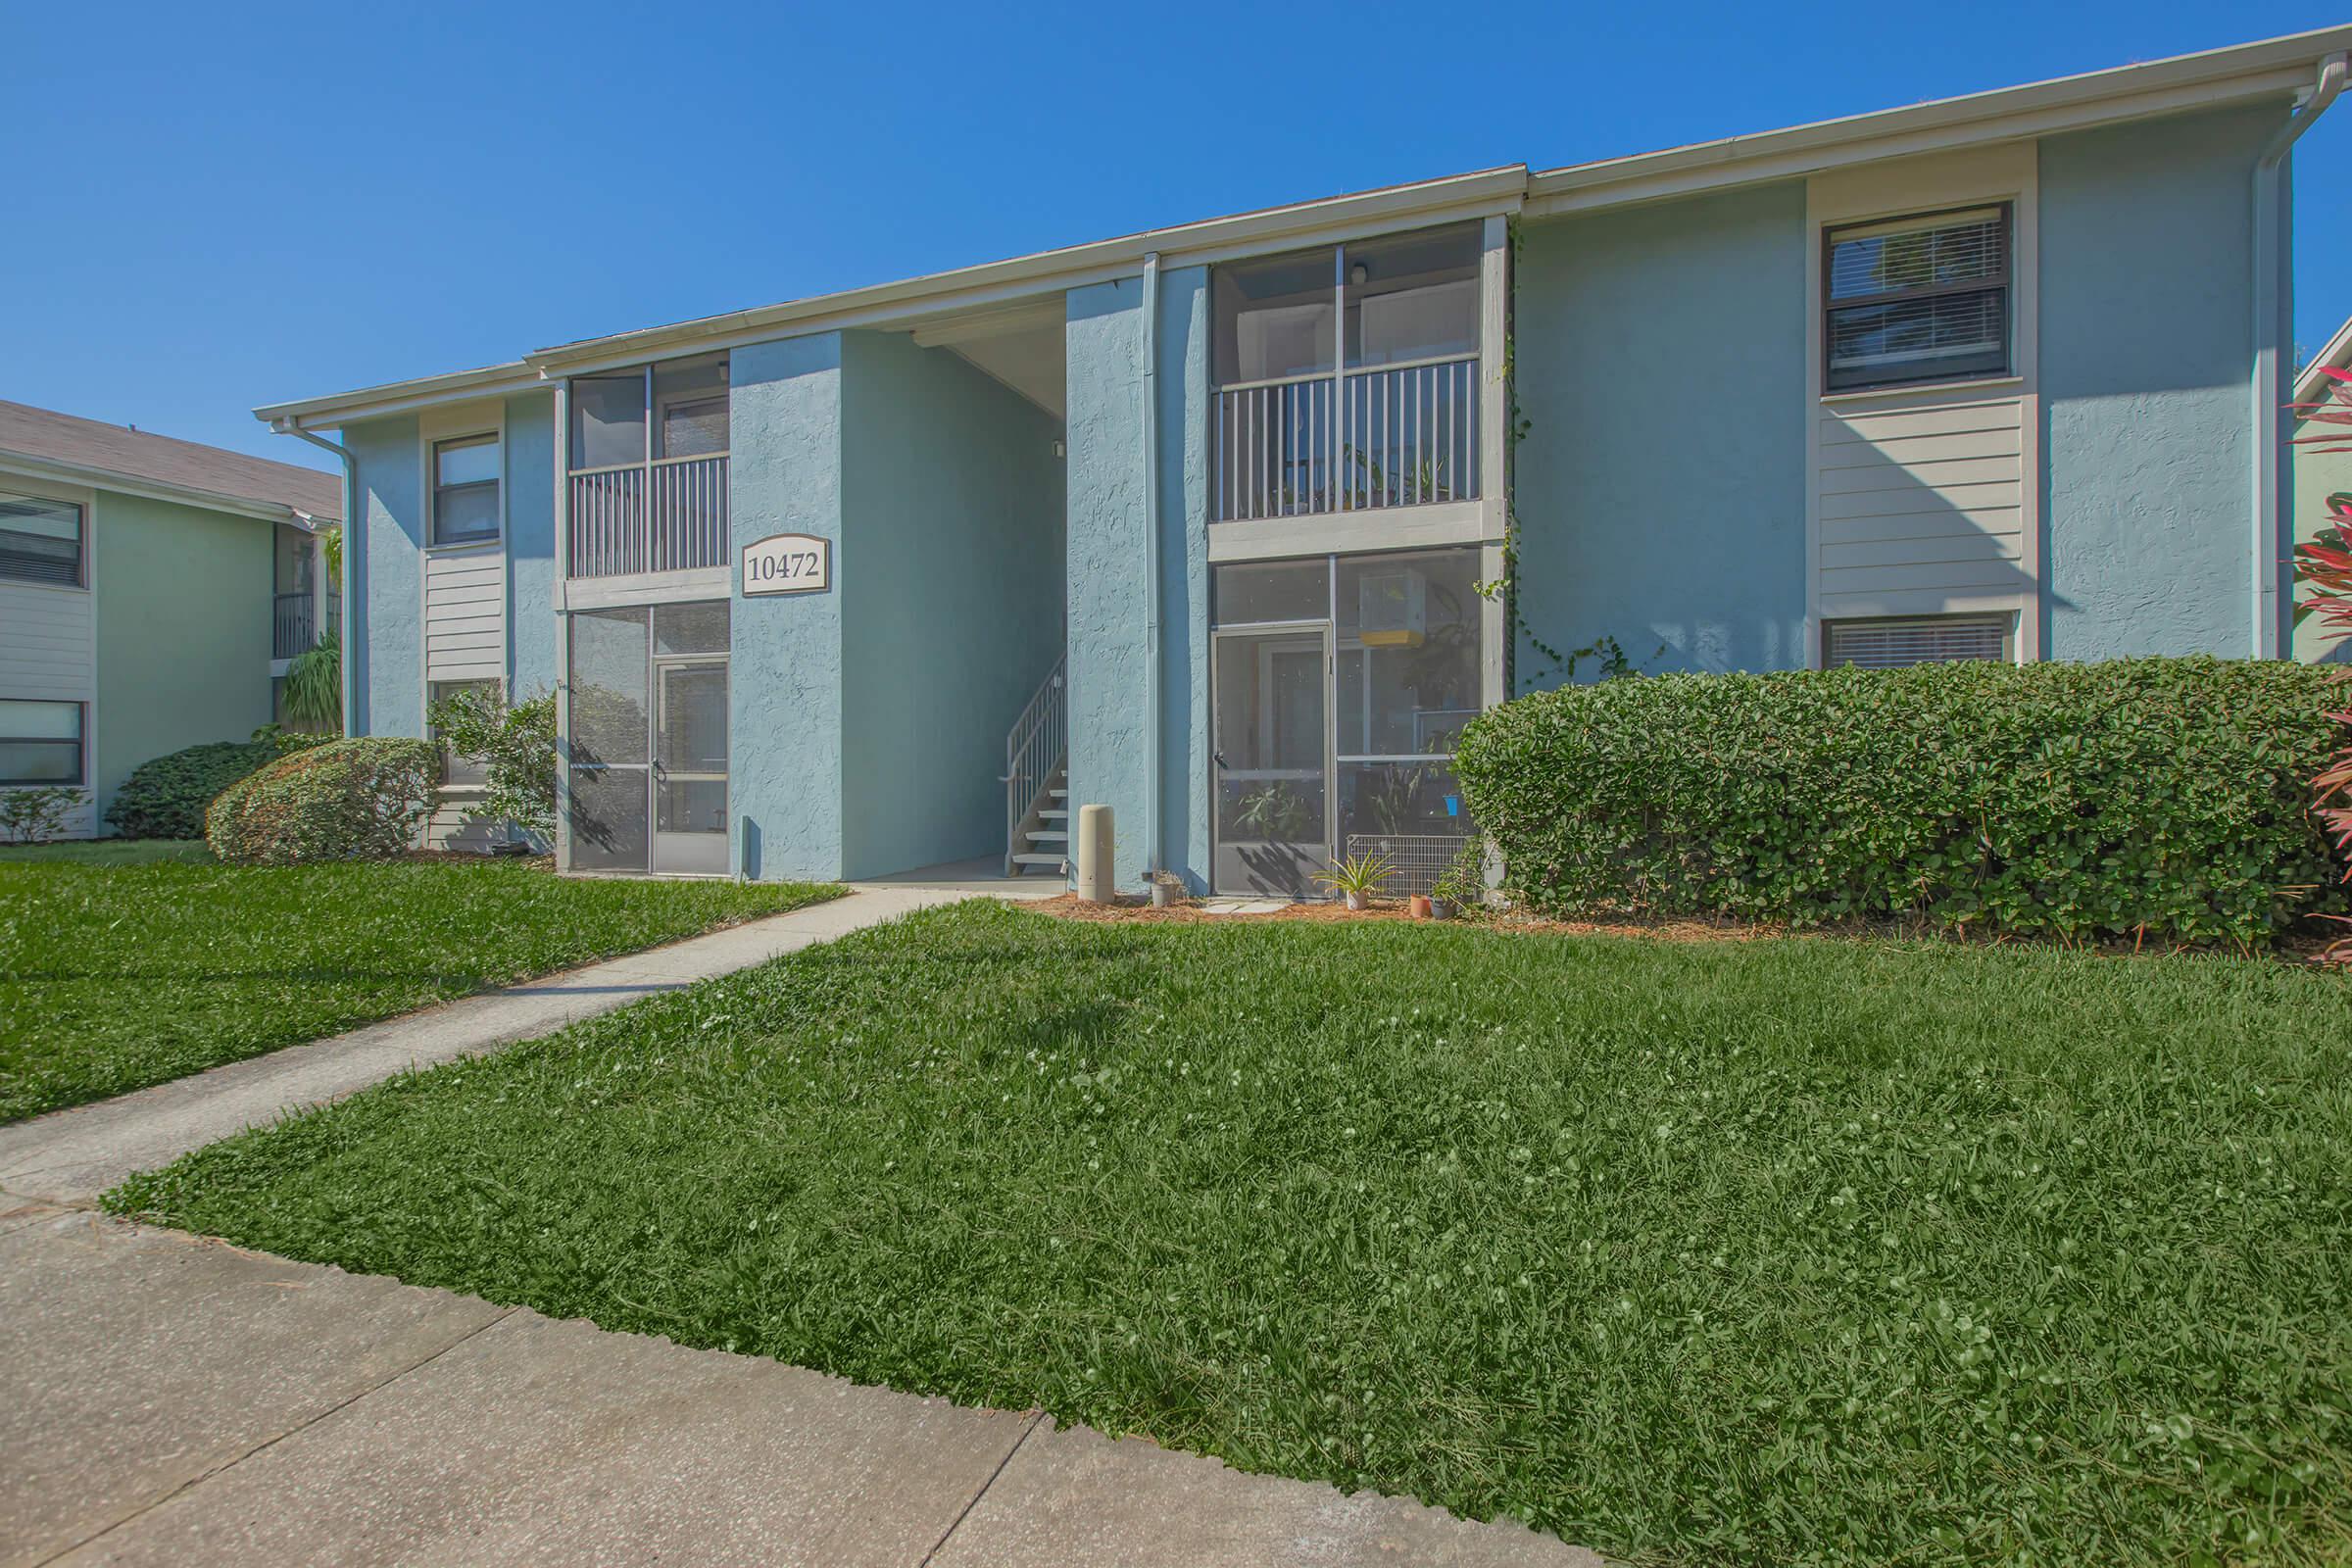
[58, 470]
[2119, 92]
[2269, 66]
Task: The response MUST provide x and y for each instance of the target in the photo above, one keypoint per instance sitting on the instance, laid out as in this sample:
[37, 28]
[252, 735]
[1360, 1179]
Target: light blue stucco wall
[388, 593]
[530, 499]
[1112, 552]
[2146, 355]
[1184, 464]
[784, 475]
[951, 597]
[1660, 364]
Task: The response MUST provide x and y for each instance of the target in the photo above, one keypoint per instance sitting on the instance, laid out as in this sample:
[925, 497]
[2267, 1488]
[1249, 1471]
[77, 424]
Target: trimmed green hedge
[165, 796]
[2158, 797]
[361, 799]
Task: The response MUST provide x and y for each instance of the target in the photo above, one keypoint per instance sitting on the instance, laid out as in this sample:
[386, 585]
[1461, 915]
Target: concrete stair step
[1048, 835]
[1038, 859]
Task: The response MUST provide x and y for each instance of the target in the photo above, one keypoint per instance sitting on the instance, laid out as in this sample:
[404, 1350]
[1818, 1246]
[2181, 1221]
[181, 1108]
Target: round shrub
[2165, 799]
[165, 796]
[362, 799]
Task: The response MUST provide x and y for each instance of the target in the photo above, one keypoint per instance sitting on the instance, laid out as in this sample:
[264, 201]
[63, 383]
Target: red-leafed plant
[2323, 566]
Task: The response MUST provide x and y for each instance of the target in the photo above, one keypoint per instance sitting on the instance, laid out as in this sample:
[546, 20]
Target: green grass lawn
[107, 851]
[122, 967]
[1780, 1252]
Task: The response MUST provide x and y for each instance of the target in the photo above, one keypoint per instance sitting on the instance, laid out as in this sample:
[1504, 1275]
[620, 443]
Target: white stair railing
[1034, 748]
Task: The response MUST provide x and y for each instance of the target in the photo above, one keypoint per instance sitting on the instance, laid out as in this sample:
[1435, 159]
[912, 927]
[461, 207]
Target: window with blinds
[1917, 298]
[1929, 640]
[41, 541]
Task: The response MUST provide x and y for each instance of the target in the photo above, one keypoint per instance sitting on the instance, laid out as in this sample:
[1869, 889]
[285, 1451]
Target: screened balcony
[1348, 377]
[647, 486]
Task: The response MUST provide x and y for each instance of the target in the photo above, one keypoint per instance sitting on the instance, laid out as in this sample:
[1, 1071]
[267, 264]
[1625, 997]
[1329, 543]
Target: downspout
[1152, 670]
[351, 493]
[2269, 445]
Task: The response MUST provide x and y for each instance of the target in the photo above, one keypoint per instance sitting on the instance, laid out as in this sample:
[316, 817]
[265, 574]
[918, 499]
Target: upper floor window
[648, 481]
[41, 743]
[1917, 298]
[40, 540]
[465, 490]
[1347, 375]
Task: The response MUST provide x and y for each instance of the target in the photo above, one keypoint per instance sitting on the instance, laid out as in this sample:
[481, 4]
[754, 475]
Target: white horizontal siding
[81, 822]
[456, 825]
[1920, 507]
[45, 642]
[466, 615]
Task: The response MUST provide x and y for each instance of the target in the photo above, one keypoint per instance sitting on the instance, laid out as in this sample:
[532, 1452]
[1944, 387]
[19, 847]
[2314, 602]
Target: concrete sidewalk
[169, 1400]
[70, 1156]
[165, 1399]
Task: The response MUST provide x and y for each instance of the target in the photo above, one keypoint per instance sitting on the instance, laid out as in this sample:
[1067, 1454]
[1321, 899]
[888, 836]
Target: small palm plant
[1357, 878]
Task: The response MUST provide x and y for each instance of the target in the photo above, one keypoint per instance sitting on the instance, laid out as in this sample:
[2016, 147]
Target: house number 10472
[787, 563]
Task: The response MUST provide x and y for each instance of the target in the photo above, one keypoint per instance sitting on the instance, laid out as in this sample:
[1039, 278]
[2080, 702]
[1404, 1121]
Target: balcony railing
[293, 624]
[667, 515]
[1393, 436]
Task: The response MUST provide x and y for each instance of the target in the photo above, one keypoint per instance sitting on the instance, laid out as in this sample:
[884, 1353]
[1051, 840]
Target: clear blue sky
[215, 207]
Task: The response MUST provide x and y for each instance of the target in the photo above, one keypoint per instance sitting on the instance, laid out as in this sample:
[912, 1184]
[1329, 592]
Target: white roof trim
[95, 478]
[2338, 352]
[2281, 66]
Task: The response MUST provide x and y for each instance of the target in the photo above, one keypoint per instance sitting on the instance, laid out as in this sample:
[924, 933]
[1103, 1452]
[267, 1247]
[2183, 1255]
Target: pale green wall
[2316, 477]
[183, 630]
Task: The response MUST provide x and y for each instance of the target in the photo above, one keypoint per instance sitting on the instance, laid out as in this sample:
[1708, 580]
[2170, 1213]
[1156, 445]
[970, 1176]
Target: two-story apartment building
[1207, 523]
[152, 592]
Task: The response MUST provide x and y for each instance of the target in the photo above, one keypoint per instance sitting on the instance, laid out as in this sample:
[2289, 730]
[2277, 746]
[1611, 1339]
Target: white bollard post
[1098, 875]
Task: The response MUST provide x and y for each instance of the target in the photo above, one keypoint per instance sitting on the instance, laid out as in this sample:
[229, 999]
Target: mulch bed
[1138, 908]
[2298, 948]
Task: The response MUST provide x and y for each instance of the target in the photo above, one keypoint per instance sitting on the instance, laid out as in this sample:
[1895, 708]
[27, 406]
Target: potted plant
[1167, 889]
[1462, 884]
[1354, 877]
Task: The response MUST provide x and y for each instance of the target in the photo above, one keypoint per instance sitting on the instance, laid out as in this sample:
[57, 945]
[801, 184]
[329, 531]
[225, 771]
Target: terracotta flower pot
[1423, 908]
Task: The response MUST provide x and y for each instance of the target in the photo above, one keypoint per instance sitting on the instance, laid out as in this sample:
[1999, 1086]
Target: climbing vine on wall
[1605, 654]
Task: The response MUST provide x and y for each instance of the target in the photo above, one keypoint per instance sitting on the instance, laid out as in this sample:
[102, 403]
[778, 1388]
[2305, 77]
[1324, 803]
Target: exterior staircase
[1037, 794]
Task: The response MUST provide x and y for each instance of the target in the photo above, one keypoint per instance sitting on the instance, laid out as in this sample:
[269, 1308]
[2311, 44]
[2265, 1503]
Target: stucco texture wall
[2146, 356]
[1660, 364]
[2318, 475]
[951, 585]
[531, 500]
[183, 630]
[387, 589]
[785, 675]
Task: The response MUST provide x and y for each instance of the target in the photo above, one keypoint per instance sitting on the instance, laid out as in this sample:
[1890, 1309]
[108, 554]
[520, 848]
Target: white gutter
[1152, 685]
[2265, 543]
[351, 564]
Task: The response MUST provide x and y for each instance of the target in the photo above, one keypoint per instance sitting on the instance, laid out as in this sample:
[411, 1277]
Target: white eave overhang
[84, 475]
[2337, 355]
[2277, 66]
[2274, 67]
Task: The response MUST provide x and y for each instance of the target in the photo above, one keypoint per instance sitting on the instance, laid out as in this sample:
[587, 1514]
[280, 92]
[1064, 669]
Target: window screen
[1918, 298]
[1932, 640]
[465, 490]
[41, 541]
[455, 769]
[41, 743]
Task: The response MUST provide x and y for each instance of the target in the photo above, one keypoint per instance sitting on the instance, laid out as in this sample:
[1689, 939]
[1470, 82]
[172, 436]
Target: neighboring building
[2321, 474]
[832, 588]
[150, 591]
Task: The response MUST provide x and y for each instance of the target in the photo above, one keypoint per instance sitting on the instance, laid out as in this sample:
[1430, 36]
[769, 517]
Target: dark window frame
[81, 744]
[81, 544]
[434, 692]
[2006, 284]
[496, 486]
